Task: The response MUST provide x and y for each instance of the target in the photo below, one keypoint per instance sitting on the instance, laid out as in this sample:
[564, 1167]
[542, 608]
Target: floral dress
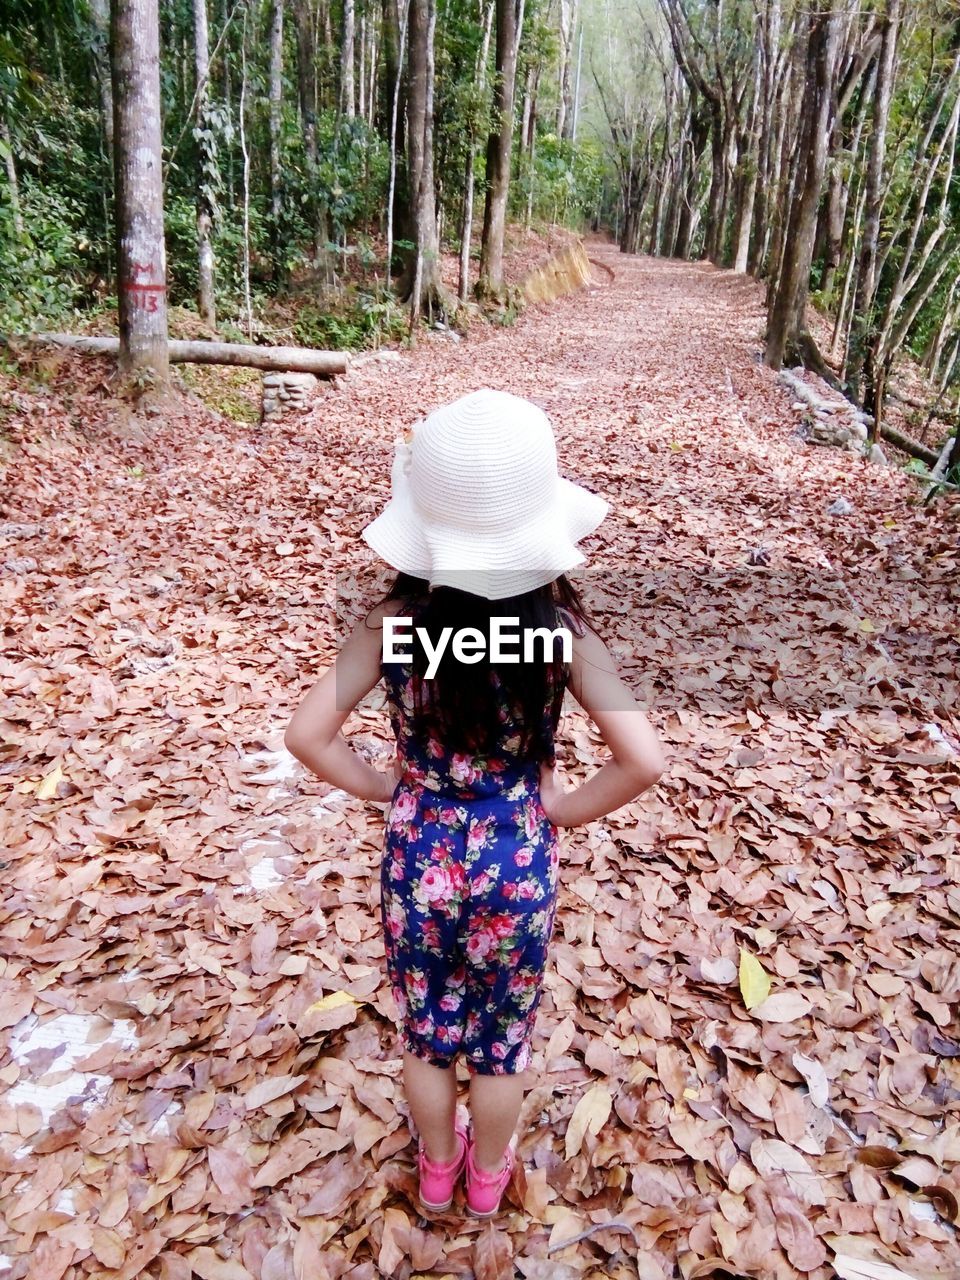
[468, 894]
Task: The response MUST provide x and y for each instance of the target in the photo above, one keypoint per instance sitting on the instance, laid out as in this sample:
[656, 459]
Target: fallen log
[908, 444]
[325, 364]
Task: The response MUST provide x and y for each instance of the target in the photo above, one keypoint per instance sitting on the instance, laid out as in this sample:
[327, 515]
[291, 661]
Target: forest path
[186, 895]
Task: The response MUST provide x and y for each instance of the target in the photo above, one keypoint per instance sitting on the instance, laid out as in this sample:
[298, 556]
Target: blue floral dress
[468, 894]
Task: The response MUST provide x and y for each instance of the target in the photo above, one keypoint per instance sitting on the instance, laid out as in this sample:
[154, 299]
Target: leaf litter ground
[747, 1062]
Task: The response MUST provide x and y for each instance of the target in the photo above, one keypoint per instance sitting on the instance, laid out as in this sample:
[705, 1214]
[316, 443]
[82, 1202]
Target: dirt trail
[179, 896]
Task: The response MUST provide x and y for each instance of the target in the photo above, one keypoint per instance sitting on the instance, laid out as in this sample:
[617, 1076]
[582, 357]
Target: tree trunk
[866, 278]
[245, 153]
[276, 107]
[206, 174]
[347, 97]
[395, 95]
[499, 147]
[786, 315]
[718, 165]
[699, 132]
[307, 82]
[466, 226]
[11, 167]
[100, 13]
[569, 13]
[141, 255]
[747, 171]
[421, 285]
[397, 63]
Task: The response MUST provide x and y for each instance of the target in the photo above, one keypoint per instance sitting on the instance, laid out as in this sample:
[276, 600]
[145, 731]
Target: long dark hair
[460, 706]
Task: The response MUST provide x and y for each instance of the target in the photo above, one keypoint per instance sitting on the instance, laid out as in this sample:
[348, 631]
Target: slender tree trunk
[466, 226]
[141, 255]
[499, 147]
[699, 132]
[786, 316]
[395, 89]
[866, 277]
[714, 229]
[10, 165]
[748, 170]
[276, 108]
[245, 152]
[225, 63]
[576, 88]
[206, 174]
[421, 285]
[307, 84]
[566, 22]
[100, 14]
[394, 112]
[347, 101]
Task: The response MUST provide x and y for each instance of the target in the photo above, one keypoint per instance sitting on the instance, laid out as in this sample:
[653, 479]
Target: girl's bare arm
[313, 734]
[637, 761]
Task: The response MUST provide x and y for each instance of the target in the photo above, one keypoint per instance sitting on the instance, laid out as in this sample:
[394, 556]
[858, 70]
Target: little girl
[480, 526]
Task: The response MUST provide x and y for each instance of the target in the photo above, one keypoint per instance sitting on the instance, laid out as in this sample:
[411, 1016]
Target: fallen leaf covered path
[197, 1046]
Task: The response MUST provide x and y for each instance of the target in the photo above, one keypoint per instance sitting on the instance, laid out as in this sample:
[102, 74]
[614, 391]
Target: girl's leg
[495, 1103]
[432, 1094]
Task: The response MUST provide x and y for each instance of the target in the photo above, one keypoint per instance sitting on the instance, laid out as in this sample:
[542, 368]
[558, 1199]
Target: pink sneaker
[437, 1181]
[485, 1190]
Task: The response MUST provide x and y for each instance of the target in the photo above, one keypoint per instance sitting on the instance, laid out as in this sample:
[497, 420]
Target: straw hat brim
[495, 566]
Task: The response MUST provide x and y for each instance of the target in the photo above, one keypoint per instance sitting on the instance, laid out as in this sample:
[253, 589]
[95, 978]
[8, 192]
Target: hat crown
[477, 502]
[488, 461]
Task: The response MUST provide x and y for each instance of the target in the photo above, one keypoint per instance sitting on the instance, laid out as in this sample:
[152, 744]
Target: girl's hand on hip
[551, 793]
[391, 780]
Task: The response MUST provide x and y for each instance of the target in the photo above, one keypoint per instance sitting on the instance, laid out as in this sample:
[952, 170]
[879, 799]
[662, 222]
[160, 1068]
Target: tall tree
[307, 83]
[499, 149]
[785, 325]
[347, 94]
[421, 283]
[206, 165]
[479, 85]
[276, 110]
[141, 255]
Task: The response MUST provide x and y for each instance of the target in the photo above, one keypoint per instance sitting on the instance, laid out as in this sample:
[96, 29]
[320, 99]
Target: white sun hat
[477, 502]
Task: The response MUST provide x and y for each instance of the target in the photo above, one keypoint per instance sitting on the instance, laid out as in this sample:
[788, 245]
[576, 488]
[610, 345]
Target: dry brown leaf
[233, 1175]
[782, 1006]
[396, 1225]
[796, 1235]
[589, 1116]
[271, 1088]
[294, 1154]
[342, 1175]
[308, 1257]
[770, 1155]
[879, 1157]
[208, 1265]
[816, 1078]
[722, 971]
[852, 1268]
[493, 1254]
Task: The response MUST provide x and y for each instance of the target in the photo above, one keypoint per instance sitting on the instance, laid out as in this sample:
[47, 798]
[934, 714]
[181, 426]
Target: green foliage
[44, 271]
[566, 181]
[350, 181]
[364, 321]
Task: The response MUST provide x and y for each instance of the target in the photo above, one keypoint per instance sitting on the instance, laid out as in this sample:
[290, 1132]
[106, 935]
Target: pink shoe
[485, 1190]
[437, 1181]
